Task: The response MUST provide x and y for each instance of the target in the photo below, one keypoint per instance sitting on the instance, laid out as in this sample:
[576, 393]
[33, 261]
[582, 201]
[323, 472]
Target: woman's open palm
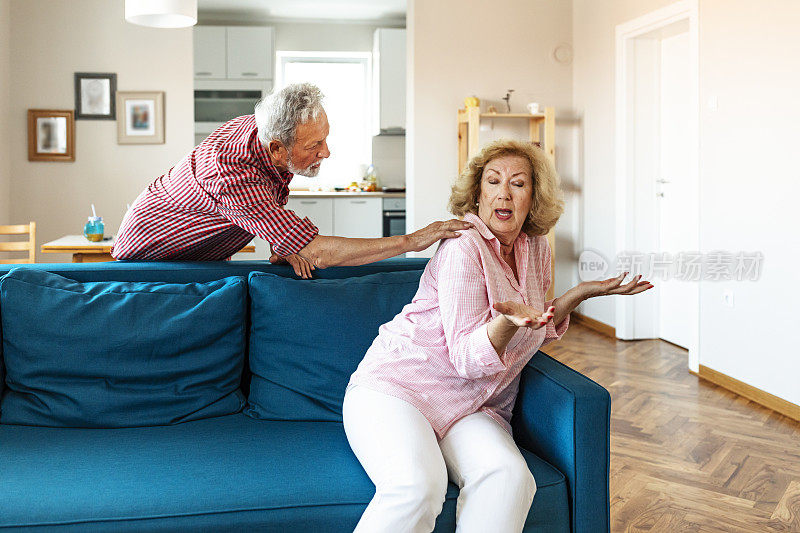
[614, 286]
[524, 315]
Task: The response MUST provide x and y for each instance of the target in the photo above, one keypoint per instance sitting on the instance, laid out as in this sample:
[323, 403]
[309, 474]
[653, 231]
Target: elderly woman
[432, 399]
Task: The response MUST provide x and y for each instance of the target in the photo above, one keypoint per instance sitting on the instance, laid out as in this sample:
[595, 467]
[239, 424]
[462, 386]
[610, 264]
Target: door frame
[630, 325]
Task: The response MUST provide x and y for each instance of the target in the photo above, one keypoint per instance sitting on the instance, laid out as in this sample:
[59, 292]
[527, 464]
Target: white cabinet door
[250, 50]
[390, 45]
[318, 210]
[209, 52]
[358, 217]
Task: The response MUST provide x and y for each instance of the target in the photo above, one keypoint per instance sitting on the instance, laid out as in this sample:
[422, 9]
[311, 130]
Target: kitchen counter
[337, 194]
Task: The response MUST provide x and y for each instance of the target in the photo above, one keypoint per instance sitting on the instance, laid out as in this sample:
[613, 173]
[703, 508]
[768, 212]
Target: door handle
[662, 181]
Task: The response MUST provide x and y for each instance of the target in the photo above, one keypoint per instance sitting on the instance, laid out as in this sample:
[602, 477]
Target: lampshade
[161, 13]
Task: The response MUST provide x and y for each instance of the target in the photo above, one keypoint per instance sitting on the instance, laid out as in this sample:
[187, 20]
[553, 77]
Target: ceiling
[303, 10]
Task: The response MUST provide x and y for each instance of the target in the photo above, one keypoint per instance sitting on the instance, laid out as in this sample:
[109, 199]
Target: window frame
[283, 57]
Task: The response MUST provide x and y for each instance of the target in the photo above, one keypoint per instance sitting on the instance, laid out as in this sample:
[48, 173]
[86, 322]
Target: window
[344, 78]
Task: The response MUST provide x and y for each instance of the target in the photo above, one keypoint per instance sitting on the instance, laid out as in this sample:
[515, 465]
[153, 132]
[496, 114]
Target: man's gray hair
[279, 113]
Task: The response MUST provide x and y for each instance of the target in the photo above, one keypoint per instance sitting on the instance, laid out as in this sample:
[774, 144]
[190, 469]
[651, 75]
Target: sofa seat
[230, 473]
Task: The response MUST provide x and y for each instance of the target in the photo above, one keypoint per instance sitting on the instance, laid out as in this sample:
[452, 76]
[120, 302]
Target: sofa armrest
[564, 417]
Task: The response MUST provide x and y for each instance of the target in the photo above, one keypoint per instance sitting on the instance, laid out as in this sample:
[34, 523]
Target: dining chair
[19, 246]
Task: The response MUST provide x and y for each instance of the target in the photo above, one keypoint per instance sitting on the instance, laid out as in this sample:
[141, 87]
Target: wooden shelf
[463, 116]
[469, 121]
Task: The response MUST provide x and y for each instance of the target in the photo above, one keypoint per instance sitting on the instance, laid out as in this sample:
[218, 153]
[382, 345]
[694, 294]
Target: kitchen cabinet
[209, 52]
[389, 80]
[350, 216]
[358, 217]
[318, 210]
[250, 52]
[233, 52]
[342, 217]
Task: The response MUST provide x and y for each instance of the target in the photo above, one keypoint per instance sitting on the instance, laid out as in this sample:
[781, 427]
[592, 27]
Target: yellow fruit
[472, 101]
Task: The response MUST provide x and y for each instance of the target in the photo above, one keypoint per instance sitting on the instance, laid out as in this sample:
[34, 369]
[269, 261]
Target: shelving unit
[541, 129]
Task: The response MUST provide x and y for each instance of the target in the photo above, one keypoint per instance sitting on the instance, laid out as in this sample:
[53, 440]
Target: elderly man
[234, 186]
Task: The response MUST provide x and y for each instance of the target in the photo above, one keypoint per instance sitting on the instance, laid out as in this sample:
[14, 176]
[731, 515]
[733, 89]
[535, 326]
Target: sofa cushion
[117, 354]
[308, 336]
[230, 473]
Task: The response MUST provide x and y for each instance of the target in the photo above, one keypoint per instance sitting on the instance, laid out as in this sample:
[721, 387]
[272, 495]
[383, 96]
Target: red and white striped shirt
[212, 203]
[436, 353]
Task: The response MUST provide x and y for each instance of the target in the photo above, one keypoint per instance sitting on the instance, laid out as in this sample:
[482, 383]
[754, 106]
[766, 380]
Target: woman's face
[506, 196]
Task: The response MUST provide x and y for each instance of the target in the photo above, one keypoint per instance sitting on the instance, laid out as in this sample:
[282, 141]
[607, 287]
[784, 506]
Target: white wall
[50, 41]
[750, 185]
[459, 48]
[5, 167]
[748, 176]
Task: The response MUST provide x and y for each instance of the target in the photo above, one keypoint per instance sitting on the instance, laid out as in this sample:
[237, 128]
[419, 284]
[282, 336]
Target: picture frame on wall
[95, 95]
[51, 135]
[140, 117]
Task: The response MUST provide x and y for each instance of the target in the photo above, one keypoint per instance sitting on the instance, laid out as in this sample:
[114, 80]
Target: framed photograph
[140, 117]
[94, 95]
[51, 135]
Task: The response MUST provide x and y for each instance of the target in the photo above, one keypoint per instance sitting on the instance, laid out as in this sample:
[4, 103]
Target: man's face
[310, 147]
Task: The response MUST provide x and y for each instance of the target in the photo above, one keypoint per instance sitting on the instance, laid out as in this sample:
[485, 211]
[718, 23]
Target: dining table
[85, 251]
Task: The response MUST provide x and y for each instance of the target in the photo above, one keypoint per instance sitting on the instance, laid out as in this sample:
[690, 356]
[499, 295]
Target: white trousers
[398, 449]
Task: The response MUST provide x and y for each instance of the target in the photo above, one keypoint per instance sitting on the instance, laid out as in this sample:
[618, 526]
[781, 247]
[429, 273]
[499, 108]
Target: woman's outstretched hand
[524, 316]
[614, 286]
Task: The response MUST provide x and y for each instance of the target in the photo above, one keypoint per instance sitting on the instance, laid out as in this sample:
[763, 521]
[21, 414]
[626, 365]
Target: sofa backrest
[196, 271]
[203, 271]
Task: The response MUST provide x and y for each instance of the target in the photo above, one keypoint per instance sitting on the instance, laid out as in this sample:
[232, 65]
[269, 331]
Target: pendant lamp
[161, 13]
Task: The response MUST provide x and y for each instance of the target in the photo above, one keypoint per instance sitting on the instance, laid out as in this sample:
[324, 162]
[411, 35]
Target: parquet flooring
[686, 455]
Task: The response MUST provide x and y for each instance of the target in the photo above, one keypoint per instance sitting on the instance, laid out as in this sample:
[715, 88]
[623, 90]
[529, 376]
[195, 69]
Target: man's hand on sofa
[302, 267]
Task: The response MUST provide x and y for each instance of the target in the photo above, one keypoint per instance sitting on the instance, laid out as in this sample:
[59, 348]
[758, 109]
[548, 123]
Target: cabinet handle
[202, 74]
[308, 202]
[358, 201]
[249, 73]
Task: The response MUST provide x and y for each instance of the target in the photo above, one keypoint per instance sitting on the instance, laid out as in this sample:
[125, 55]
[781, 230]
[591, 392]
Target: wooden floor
[686, 455]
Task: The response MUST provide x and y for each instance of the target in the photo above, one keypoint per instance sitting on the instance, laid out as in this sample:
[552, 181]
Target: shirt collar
[520, 250]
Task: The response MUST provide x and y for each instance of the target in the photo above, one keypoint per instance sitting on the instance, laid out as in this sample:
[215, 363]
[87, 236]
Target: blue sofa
[139, 461]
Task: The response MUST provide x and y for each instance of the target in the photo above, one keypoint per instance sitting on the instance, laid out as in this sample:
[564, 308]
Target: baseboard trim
[593, 324]
[751, 393]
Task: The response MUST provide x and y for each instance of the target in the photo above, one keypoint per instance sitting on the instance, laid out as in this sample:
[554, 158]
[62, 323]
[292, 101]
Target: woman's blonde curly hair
[548, 201]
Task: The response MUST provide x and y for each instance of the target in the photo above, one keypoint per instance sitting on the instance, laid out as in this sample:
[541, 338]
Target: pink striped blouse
[436, 354]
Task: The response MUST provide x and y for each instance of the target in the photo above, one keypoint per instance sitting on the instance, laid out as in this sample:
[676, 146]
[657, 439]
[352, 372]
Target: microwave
[216, 102]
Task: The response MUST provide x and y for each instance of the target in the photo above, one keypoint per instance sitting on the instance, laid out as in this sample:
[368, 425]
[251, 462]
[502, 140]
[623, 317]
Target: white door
[676, 189]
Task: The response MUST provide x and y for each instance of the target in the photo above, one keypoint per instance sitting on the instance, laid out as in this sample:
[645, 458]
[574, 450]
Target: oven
[394, 216]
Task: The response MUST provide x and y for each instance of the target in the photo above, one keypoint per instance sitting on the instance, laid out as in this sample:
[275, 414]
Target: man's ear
[277, 152]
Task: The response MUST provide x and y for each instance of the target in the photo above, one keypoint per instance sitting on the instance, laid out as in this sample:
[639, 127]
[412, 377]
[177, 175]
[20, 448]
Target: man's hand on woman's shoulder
[436, 231]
